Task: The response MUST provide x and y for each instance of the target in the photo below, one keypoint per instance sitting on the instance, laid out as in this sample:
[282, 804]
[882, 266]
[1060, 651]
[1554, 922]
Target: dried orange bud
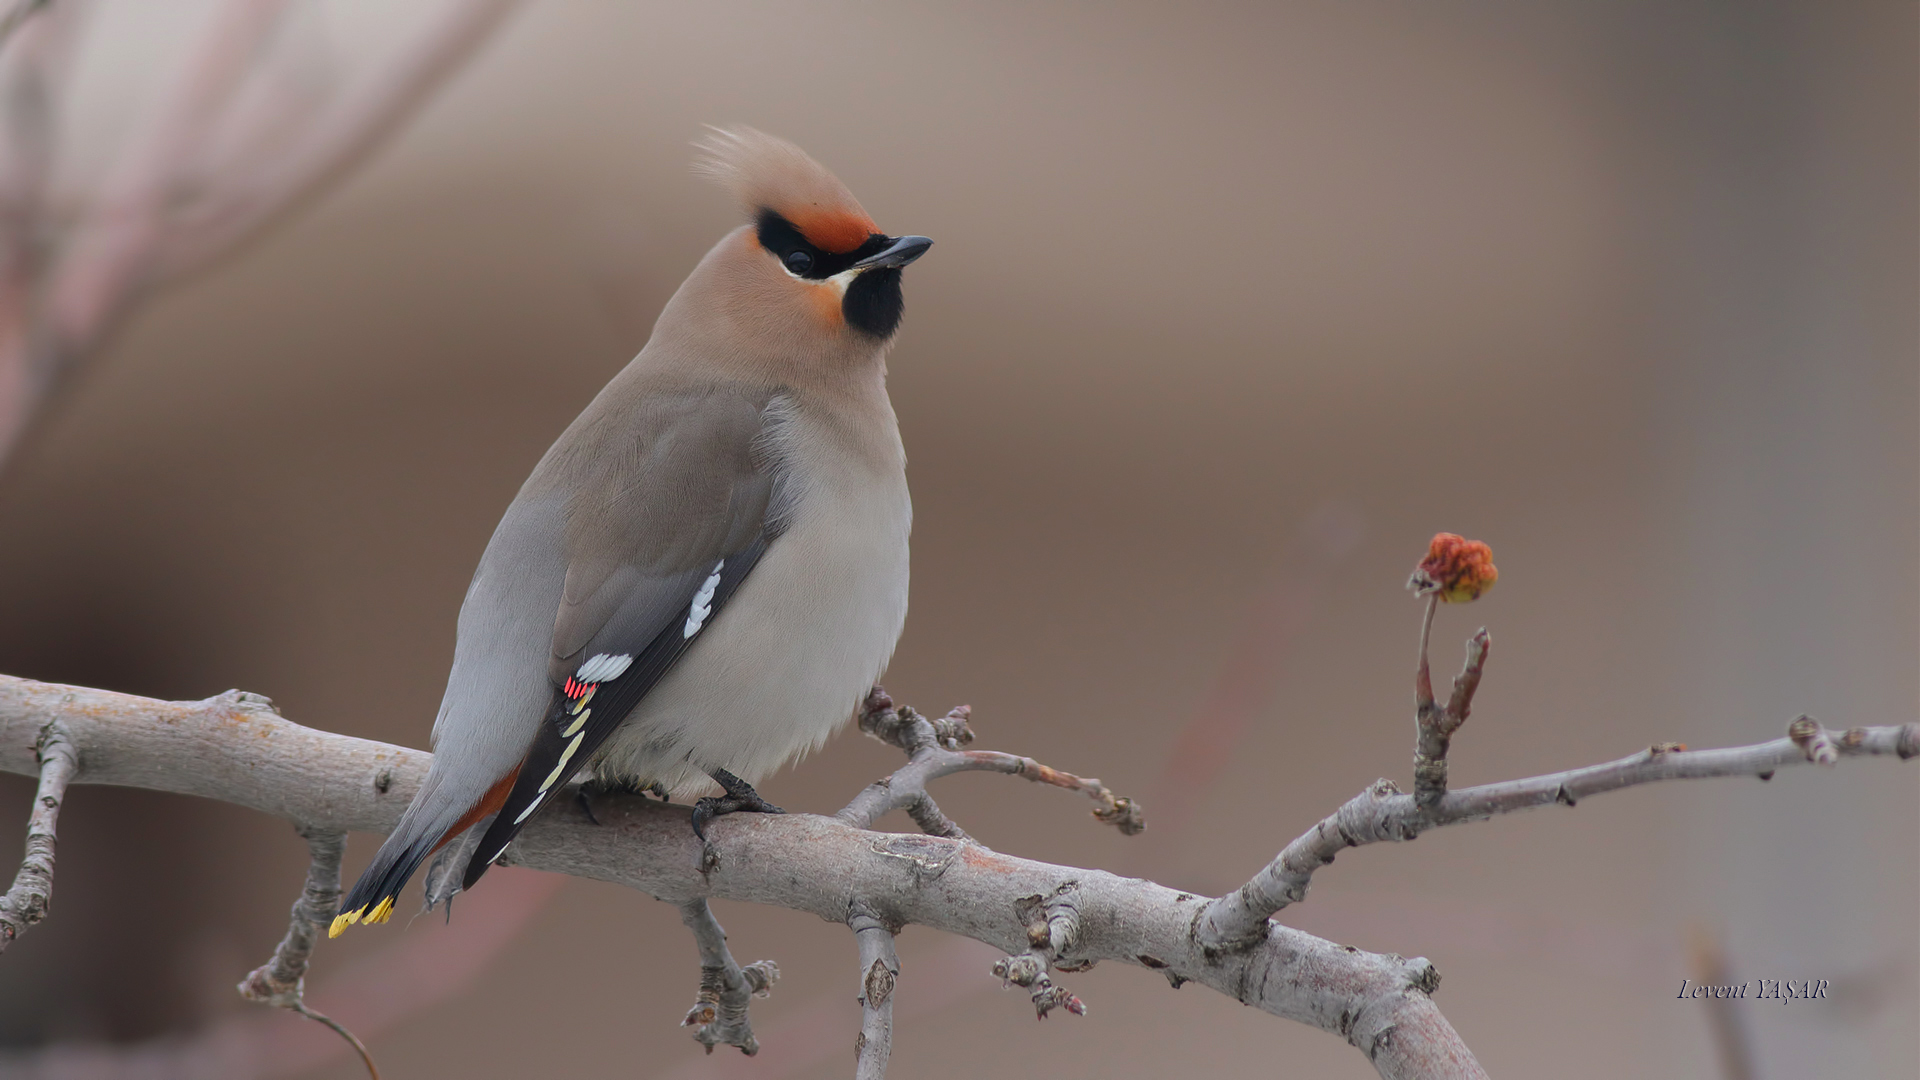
[1455, 567]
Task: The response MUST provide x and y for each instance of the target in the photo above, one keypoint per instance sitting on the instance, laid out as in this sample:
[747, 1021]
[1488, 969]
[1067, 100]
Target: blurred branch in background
[16, 13]
[235, 142]
[1249, 677]
[1731, 1041]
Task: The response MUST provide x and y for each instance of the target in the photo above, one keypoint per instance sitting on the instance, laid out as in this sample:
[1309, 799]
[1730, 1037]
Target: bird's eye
[799, 262]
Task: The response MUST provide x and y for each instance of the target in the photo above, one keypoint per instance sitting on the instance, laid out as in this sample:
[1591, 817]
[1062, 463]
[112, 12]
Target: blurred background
[1233, 306]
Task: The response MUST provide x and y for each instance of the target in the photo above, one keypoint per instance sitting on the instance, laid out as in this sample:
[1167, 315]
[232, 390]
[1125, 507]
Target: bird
[707, 571]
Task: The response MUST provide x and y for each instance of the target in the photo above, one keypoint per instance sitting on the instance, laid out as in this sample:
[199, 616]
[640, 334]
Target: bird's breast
[806, 635]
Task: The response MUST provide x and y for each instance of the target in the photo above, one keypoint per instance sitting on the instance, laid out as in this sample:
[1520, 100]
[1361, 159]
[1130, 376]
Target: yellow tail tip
[342, 921]
[381, 911]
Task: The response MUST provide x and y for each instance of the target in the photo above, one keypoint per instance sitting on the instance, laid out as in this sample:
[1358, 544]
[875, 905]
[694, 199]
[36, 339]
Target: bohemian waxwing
[708, 571]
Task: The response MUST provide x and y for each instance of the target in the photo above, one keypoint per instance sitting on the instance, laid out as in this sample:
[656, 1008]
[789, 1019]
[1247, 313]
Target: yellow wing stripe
[565, 756]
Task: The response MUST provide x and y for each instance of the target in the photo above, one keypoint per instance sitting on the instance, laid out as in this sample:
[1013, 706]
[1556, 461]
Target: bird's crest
[768, 173]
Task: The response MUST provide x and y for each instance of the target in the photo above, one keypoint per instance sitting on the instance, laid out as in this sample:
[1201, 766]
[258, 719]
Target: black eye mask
[803, 259]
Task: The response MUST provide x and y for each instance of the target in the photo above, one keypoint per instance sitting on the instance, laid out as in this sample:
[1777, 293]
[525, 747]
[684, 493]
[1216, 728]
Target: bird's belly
[791, 655]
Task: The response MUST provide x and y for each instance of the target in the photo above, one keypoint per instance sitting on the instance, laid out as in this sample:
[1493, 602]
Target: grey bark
[235, 748]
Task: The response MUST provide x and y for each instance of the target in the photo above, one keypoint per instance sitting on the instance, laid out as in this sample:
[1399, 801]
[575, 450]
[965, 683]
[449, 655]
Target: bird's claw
[585, 800]
[713, 806]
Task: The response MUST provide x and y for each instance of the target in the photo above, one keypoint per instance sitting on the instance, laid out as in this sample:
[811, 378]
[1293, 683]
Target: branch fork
[719, 1013]
[1436, 724]
[1382, 812]
[934, 749]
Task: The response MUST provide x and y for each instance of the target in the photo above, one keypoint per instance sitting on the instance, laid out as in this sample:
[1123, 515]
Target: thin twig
[719, 1015]
[1383, 813]
[933, 751]
[1435, 725]
[879, 971]
[1422, 679]
[282, 981]
[27, 901]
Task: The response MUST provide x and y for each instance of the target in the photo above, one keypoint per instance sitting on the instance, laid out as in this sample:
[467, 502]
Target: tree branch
[879, 971]
[235, 748]
[720, 1012]
[1382, 813]
[282, 981]
[933, 751]
[27, 901]
[1053, 926]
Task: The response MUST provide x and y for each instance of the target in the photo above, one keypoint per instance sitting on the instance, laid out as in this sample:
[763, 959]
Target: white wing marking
[603, 667]
[702, 602]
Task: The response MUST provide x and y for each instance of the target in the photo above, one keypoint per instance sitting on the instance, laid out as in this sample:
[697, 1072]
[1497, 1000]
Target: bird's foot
[583, 795]
[739, 799]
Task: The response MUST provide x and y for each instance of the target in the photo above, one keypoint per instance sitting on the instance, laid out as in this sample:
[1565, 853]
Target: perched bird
[707, 572]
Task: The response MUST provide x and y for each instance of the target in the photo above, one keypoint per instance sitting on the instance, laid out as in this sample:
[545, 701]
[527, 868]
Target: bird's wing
[668, 509]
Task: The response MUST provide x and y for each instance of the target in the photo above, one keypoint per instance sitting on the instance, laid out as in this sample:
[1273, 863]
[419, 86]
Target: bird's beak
[899, 253]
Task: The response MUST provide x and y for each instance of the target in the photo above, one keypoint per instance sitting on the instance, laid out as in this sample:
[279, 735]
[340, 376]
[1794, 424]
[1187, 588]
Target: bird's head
[811, 259]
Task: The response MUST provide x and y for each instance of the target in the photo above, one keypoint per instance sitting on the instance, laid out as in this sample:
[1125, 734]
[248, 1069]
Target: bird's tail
[423, 830]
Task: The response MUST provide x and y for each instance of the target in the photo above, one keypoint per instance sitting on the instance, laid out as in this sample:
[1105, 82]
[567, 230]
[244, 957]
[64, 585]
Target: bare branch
[1053, 926]
[1435, 724]
[879, 971]
[236, 749]
[1382, 813]
[720, 1012]
[27, 901]
[932, 748]
[1422, 677]
[282, 981]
